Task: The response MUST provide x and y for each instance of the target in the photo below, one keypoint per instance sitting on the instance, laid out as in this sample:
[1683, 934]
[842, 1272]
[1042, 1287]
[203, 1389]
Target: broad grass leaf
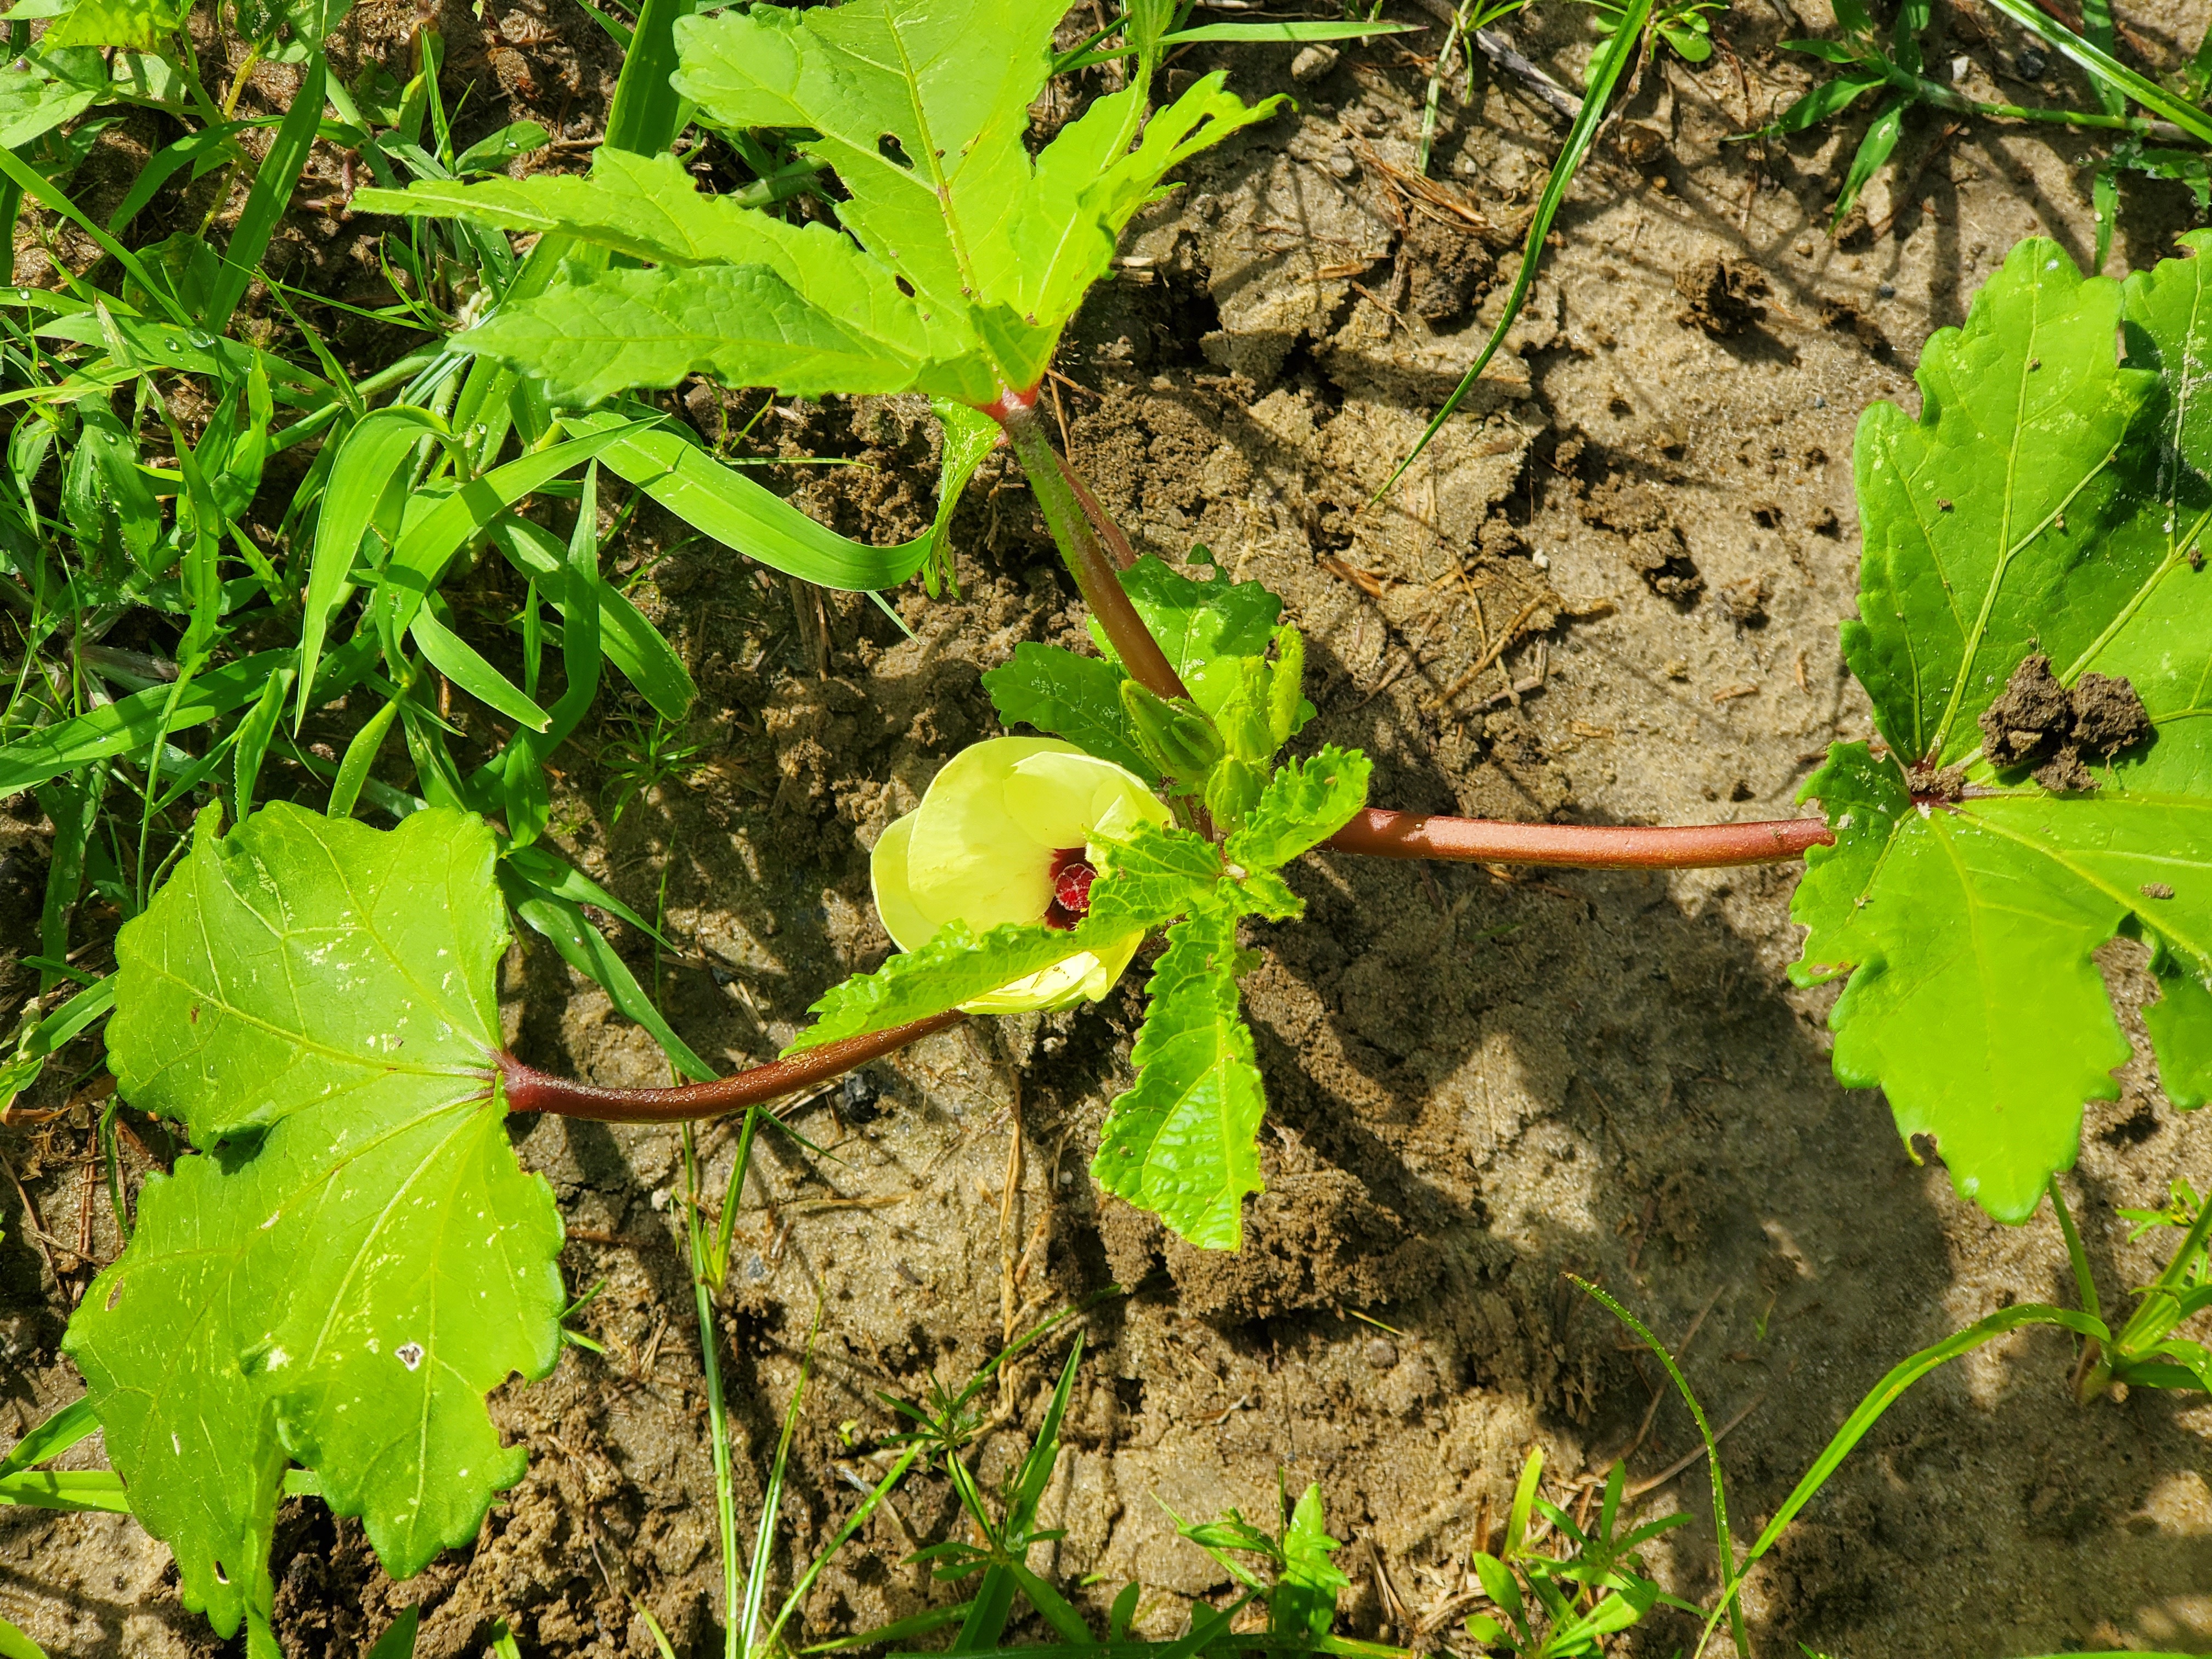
[1304, 804]
[134, 722]
[356, 1258]
[719, 501]
[631, 643]
[1303, 1605]
[1967, 927]
[1183, 1141]
[967, 437]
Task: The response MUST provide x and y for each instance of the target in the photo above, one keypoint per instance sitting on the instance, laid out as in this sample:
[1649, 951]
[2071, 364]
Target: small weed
[652, 751]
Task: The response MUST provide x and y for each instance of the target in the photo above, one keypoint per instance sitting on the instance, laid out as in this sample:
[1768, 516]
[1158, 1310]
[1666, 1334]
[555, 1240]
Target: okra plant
[351, 1257]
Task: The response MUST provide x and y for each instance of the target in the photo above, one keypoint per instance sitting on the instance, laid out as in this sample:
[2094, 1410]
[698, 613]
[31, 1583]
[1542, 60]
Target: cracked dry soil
[1608, 592]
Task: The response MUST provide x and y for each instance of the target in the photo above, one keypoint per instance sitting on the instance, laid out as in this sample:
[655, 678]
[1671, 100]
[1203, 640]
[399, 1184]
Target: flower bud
[1175, 736]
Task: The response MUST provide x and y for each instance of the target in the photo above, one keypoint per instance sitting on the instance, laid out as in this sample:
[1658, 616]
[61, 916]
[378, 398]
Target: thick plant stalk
[1386, 835]
[1094, 573]
[529, 1090]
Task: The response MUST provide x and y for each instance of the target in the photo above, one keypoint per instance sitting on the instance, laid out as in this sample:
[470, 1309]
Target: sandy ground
[1479, 1083]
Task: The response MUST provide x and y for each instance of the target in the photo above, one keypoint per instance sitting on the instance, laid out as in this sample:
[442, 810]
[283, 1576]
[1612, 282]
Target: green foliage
[1303, 805]
[1564, 1606]
[1183, 1141]
[1206, 628]
[1071, 696]
[1897, 68]
[353, 1259]
[1218, 746]
[2050, 500]
[970, 255]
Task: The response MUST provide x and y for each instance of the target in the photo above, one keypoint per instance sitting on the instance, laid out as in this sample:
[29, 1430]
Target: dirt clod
[2038, 719]
[1721, 296]
[2108, 715]
[1745, 600]
[2031, 717]
[1449, 267]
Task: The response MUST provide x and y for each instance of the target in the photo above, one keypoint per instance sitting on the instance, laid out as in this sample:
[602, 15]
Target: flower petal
[1059, 798]
[887, 869]
[969, 859]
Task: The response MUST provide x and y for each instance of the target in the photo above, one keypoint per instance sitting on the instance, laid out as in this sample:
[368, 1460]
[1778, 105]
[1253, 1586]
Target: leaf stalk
[1377, 833]
[529, 1090]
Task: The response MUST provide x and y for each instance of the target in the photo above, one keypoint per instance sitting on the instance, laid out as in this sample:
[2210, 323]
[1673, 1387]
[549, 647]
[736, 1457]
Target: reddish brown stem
[529, 1090]
[1117, 543]
[1386, 835]
[1094, 573]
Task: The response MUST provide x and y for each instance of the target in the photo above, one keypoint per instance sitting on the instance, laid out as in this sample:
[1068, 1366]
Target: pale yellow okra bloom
[1009, 832]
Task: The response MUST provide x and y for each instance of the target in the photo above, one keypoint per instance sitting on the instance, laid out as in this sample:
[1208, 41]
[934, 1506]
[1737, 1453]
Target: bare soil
[1608, 592]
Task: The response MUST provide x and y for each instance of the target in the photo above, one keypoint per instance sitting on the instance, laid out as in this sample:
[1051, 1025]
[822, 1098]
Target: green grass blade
[549, 873]
[43, 190]
[579, 635]
[359, 754]
[853, 1523]
[69, 1490]
[899, 1630]
[132, 722]
[631, 643]
[1884, 1395]
[1730, 1573]
[14, 1644]
[425, 548]
[265, 205]
[994, 1597]
[772, 1504]
[1244, 33]
[646, 115]
[717, 502]
[584, 948]
[398, 1641]
[2107, 70]
[1606, 70]
[1874, 149]
[368, 460]
[165, 161]
[718, 1263]
[72, 806]
[465, 666]
[1055, 1608]
[253, 734]
[51, 1438]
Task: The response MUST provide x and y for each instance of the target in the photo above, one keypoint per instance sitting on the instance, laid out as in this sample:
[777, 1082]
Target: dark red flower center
[1072, 875]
